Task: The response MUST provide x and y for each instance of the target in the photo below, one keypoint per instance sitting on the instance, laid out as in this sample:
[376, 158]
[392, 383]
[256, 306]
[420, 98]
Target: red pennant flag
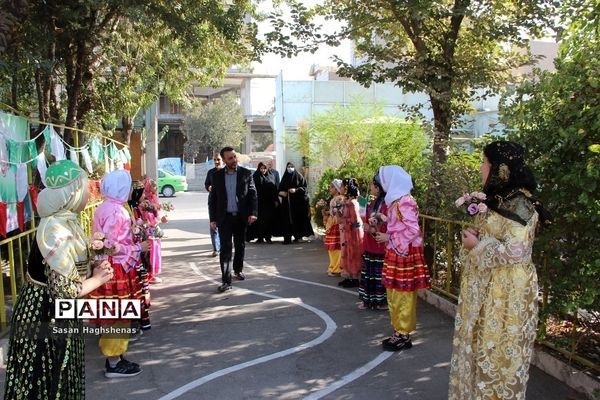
[3, 219]
[21, 215]
[33, 195]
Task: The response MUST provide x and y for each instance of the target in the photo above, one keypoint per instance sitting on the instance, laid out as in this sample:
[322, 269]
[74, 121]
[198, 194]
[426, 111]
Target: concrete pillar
[278, 125]
[151, 154]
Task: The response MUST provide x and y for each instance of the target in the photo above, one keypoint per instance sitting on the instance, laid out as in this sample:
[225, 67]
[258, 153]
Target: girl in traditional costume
[497, 313]
[351, 234]
[113, 220]
[332, 228]
[404, 269]
[371, 291]
[46, 355]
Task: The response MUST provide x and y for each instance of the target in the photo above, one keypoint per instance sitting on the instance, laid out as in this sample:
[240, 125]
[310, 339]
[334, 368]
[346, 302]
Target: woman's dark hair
[352, 187]
[508, 171]
[508, 176]
[381, 197]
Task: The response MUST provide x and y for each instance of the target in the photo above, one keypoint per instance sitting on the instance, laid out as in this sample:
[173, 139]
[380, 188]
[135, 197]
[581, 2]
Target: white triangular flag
[41, 166]
[58, 150]
[73, 156]
[22, 184]
[87, 160]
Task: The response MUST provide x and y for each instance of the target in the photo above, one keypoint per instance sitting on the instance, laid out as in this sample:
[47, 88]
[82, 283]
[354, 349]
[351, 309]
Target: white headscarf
[59, 236]
[337, 184]
[396, 182]
[116, 185]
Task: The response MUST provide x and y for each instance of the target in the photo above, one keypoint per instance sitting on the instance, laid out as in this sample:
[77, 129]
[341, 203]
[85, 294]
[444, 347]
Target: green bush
[557, 119]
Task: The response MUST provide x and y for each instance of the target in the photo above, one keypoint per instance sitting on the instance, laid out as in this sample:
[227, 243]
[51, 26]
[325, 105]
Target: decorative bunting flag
[21, 215]
[21, 181]
[87, 160]
[73, 156]
[33, 195]
[58, 150]
[3, 218]
[33, 152]
[41, 166]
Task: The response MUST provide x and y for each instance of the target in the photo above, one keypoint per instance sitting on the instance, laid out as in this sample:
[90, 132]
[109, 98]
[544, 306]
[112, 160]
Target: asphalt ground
[286, 332]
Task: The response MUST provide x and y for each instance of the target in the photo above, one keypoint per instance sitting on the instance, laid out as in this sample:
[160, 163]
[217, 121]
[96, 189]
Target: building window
[168, 107]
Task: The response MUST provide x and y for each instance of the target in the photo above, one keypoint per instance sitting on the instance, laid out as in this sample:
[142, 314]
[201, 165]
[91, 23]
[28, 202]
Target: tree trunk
[75, 64]
[441, 128]
[127, 122]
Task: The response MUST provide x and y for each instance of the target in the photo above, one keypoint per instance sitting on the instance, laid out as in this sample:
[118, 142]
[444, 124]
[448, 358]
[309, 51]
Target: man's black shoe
[240, 276]
[224, 287]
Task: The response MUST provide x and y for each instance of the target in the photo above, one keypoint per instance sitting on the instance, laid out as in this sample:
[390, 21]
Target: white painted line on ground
[329, 330]
[300, 280]
[357, 373]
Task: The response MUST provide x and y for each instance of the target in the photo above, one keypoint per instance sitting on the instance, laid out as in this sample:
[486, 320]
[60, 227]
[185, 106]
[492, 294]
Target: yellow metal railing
[442, 243]
[14, 252]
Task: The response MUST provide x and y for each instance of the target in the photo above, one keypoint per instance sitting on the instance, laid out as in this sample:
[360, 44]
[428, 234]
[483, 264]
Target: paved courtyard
[287, 332]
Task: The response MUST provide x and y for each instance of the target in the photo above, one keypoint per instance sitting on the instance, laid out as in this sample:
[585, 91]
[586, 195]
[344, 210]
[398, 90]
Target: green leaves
[211, 126]
[557, 119]
[446, 49]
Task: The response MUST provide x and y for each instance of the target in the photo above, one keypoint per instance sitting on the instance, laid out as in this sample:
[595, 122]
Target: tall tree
[112, 57]
[211, 126]
[452, 50]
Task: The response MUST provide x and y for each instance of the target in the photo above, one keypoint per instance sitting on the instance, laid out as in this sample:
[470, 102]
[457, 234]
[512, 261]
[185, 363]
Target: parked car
[169, 184]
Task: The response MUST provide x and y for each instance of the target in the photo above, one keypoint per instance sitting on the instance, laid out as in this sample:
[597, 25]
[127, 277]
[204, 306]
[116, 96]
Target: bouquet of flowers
[321, 203]
[167, 206]
[139, 231]
[102, 247]
[473, 203]
[337, 206]
[376, 219]
[147, 205]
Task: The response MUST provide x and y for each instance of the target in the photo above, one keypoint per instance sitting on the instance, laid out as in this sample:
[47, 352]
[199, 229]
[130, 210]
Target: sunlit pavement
[286, 332]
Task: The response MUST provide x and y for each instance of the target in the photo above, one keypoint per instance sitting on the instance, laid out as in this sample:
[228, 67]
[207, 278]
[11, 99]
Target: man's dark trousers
[233, 226]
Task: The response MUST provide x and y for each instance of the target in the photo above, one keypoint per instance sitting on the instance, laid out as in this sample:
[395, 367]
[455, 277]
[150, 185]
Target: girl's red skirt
[123, 285]
[405, 273]
[332, 238]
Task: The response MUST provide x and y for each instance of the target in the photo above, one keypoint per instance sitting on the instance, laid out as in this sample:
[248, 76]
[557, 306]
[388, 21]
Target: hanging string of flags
[17, 152]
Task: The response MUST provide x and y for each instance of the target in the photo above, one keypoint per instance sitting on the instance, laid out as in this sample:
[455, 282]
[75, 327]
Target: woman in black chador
[295, 210]
[266, 189]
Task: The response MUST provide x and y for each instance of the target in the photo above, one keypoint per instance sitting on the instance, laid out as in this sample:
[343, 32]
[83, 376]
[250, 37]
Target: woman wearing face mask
[294, 205]
[266, 190]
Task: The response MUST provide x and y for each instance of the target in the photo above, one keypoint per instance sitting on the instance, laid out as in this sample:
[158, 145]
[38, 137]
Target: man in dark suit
[232, 206]
[214, 233]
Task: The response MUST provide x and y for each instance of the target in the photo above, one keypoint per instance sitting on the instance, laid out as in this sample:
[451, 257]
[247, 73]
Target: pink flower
[478, 195]
[482, 207]
[472, 209]
[97, 244]
[98, 236]
[109, 244]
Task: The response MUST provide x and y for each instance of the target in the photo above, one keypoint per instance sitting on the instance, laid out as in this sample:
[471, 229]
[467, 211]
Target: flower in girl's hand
[473, 203]
[167, 206]
[321, 203]
[102, 247]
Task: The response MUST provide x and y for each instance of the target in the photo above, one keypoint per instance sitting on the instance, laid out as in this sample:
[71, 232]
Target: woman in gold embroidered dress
[46, 355]
[497, 314]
